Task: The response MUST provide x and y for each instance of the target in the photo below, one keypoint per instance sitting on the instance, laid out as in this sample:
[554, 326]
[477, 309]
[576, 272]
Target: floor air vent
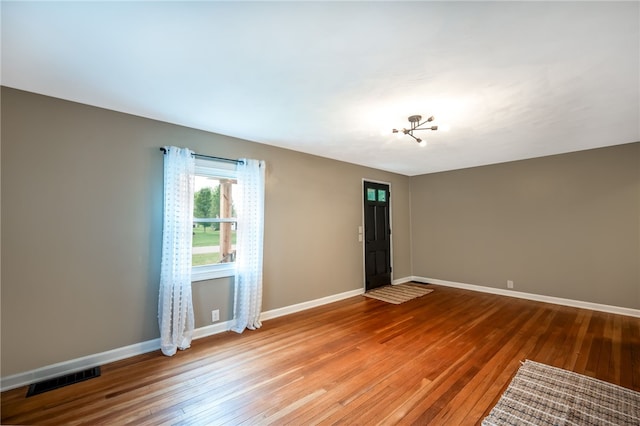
[58, 382]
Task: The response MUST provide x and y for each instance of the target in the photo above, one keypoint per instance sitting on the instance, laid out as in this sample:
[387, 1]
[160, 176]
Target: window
[214, 220]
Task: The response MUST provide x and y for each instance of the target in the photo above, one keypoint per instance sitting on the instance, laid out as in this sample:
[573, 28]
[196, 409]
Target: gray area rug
[398, 294]
[543, 395]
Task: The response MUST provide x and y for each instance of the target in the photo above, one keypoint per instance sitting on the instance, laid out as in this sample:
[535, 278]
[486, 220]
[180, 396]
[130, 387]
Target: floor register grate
[58, 382]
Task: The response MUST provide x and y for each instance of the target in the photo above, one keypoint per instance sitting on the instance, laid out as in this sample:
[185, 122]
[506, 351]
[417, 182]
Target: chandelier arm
[422, 128]
[415, 126]
[428, 120]
[417, 140]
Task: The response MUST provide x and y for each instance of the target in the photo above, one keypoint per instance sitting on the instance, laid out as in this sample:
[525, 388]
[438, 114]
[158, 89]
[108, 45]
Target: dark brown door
[377, 235]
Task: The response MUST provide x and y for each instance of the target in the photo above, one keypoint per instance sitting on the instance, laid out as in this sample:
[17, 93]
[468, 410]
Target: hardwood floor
[444, 358]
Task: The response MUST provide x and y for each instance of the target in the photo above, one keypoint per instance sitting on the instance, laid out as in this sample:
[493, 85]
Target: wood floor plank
[444, 358]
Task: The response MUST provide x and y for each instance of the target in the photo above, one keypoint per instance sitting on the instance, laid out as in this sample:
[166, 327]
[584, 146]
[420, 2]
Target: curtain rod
[209, 157]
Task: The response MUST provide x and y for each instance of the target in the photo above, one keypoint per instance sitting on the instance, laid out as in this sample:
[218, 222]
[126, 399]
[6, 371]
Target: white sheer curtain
[175, 306]
[249, 237]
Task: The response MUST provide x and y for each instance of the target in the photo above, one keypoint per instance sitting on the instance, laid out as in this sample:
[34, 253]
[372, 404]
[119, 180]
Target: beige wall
[565, 226]
[81, 228]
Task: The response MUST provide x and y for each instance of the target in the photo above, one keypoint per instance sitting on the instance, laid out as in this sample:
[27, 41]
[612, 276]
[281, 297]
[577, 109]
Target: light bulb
[422, 144]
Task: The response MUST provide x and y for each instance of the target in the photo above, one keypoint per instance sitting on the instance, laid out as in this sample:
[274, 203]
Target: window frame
[214, 169]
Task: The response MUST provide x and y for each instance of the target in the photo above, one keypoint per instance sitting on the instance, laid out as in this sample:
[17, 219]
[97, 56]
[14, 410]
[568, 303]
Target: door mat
[398, 294]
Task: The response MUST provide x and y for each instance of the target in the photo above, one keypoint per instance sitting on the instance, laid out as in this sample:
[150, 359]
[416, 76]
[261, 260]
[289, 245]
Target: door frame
[362, 224]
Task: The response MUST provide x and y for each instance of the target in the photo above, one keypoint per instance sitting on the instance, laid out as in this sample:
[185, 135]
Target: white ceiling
[513, 80]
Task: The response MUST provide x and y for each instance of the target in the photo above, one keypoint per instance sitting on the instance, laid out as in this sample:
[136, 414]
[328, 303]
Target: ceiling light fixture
[415, 125]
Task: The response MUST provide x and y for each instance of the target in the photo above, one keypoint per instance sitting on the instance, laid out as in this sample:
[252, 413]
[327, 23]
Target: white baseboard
[401, 280]
[210, 330]
[83, 363]
[78, 364]
[537, 297]
[274, 313]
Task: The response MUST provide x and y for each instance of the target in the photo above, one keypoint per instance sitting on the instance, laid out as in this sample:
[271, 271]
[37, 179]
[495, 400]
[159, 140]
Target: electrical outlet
[215, 315]
[509, 284]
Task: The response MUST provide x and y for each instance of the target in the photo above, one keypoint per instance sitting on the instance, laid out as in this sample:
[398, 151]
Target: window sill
[203, 273]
